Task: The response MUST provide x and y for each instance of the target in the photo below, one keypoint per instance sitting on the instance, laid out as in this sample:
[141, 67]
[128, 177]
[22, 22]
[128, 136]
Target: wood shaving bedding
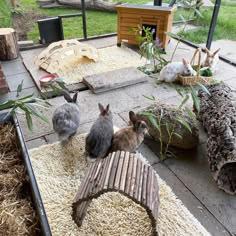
[110, 58]
[59, 171]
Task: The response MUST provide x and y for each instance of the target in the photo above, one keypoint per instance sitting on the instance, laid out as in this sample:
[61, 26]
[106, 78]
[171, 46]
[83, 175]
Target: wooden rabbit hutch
[130, 16]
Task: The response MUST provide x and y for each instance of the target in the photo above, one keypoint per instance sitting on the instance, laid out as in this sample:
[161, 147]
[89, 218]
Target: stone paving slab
[88, 104]
[85, 128]
[115, 79]
[24, 92]
[190, 200]
[231, 82]
[36, 143]
[14, 80]
[192, 169]
[13, 67]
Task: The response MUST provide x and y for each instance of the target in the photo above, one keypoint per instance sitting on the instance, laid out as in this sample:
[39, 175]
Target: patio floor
[188, 175]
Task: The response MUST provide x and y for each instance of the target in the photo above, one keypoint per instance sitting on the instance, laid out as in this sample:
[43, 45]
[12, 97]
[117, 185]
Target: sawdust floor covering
[59, 171]
[110, 58]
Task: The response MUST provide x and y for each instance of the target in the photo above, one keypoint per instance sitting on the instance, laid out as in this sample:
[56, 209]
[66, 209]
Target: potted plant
[151, 49]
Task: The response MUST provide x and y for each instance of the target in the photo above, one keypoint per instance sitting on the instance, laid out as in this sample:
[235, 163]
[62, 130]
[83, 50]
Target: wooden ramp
[122, 172]
[119, 78]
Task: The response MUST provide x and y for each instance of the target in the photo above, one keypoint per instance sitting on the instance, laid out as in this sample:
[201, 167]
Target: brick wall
[3, 82]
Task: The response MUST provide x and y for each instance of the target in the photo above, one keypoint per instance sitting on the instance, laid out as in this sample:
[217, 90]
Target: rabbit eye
[143, 126]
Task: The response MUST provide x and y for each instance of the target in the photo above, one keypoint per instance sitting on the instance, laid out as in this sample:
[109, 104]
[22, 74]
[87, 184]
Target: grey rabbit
[129, 138]
[66, 118]
[98, 141]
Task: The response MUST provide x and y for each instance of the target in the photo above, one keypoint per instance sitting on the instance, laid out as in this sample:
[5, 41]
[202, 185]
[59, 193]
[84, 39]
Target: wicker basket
[193, 79]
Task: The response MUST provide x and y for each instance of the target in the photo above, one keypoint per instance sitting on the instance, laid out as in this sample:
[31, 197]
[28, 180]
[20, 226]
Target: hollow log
[218, 116]
[121, 172]
[8, 44]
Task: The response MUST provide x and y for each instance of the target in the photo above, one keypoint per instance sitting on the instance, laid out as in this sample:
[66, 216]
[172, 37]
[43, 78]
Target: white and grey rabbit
[210, 59]
[66, 118]
[99, 139]
[170, 72]
[129, 138]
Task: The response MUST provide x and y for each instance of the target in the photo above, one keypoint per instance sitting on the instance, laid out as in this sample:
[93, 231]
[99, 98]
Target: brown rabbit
[129, 138]
[211, 59]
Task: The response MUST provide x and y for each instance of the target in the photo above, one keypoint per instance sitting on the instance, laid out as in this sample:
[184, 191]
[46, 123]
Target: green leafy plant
[18, 11]
[161, 120]
[194, 9]
[27, 104]
[56, 86]
[150, 48]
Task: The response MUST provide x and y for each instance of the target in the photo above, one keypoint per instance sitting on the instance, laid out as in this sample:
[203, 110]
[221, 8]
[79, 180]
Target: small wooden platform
[122, 172]
[114, 79]
[36, 73]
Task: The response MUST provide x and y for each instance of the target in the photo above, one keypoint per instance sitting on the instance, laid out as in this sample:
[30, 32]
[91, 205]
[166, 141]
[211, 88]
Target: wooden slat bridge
[121, 172]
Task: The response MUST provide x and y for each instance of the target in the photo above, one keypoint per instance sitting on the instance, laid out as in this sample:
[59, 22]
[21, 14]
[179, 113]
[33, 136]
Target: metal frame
[83, 14]
[213, 19]
[213, 23]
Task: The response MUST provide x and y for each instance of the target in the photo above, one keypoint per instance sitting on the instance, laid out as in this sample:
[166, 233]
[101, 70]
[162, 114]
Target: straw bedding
[17, 215]
[110, 58]
[59, 171]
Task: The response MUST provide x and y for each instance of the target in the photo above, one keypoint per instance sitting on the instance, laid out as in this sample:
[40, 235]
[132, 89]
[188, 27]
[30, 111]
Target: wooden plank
[104, 174]
[134, 15]
[114, 79]
[90, 180]
[138, 177]
[119, 170]
[129, 25]
[155, 204]
[109, 171]
[132, 187]
[129, 174]
[98, 176]
[142, 12]
[144, 187]
[80, 193]
[113, 170]
[83, 210]
[149, 184]
[129, 20]
[136, 7]
[124, 171]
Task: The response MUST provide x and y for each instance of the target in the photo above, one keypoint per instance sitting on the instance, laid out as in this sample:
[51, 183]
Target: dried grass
[17, 215]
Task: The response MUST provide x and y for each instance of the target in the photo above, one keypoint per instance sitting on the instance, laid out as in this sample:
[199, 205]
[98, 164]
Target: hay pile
[59, 171]
[110, 58]
[17, 216]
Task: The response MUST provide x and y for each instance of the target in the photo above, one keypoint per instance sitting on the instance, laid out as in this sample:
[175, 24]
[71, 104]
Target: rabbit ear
[74, 99]
[214, 53]
[184, 61]
[207, 51]
[132, 117]
[67, 96]
[101, 108]
[107, 108]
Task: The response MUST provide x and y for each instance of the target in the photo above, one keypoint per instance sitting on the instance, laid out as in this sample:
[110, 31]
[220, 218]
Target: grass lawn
[5, 14]
[225, 28]
[101, 22]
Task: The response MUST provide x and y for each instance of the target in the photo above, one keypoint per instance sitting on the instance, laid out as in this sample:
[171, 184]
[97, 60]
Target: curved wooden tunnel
[121, 172]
